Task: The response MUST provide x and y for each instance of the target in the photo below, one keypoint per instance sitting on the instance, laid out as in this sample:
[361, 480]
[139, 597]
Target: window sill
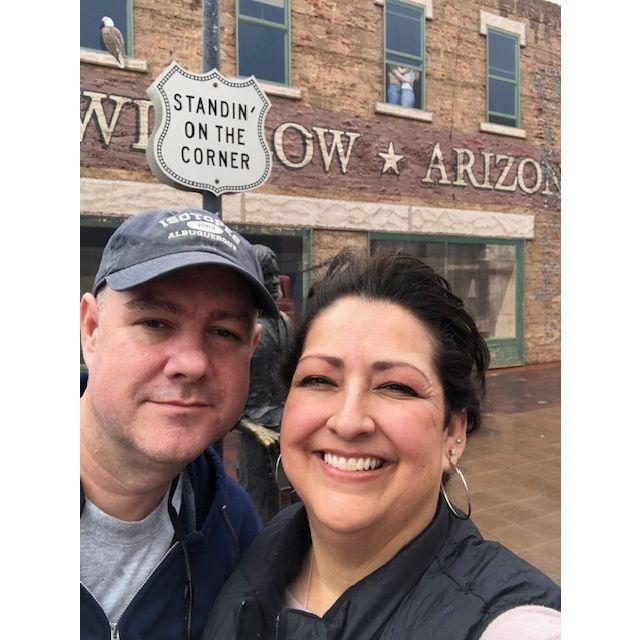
[403, 112]
[502, 130]
[281, 90]
[107, 60]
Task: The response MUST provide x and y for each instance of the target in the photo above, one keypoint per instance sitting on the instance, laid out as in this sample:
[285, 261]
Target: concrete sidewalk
[512, 465]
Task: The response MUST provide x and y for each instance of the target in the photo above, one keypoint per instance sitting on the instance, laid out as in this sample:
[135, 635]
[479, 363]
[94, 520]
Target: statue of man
[258, 447]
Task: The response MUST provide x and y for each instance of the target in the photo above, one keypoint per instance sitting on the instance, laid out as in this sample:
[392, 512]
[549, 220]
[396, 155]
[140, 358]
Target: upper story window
[503, 78]
[91, 14]
[263, 39]
[404, 46]
[504, 39]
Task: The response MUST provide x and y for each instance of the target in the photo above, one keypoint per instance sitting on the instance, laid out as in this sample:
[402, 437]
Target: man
[167, 335]
[257, 447]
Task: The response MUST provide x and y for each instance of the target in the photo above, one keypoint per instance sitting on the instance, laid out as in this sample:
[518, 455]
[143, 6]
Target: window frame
[128, 41]
[505, 352]
[422, 9]
[271, 25]
[516, 38]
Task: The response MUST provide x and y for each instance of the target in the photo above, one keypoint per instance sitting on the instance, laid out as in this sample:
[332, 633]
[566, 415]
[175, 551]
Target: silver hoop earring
[453, 510]
[282, 482]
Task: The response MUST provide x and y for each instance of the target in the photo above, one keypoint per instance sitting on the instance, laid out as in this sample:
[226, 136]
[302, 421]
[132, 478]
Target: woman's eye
[316, 381]
[402, 389]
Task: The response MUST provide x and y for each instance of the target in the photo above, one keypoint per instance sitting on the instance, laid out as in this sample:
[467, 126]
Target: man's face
[270, 273]
[169, 363]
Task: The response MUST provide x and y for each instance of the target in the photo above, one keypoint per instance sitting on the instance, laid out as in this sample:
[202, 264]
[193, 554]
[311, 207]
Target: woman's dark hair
[461, 357]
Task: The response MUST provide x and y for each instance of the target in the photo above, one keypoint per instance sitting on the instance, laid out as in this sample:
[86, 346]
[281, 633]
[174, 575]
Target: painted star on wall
[391, 159]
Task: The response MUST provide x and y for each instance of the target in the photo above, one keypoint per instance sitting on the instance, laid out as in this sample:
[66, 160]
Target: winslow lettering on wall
[313, 148]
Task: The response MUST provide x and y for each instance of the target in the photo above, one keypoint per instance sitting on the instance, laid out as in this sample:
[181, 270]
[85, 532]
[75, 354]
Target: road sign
[209, 131]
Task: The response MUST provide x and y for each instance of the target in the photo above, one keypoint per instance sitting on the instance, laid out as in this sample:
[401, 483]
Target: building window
[489, 277]
[503, 78]
[404, 45]
[91, 14]
[263, 39]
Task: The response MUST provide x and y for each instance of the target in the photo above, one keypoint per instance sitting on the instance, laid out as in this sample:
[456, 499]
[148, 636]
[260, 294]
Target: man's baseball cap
[154, 243]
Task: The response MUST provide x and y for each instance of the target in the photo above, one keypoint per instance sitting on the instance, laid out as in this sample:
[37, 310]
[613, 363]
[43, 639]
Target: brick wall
[337, 62]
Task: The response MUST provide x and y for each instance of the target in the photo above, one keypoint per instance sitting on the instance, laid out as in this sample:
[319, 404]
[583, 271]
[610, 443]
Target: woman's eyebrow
[336, 363]
[385, 365]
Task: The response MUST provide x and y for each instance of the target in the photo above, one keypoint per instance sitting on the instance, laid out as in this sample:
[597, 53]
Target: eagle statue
[113, 40]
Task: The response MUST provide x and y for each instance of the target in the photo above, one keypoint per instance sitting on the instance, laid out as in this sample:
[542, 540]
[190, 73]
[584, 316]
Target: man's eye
[221, 332]
[153, 323]
[399, 388]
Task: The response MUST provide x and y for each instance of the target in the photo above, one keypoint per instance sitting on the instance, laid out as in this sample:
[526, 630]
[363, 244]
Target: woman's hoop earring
[282, 482]
[453, 510]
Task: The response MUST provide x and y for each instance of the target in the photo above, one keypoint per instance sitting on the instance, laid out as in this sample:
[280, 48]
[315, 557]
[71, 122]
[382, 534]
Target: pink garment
[530, 622]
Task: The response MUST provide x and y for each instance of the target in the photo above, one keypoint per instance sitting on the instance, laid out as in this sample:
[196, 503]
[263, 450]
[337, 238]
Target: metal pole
[211, 60]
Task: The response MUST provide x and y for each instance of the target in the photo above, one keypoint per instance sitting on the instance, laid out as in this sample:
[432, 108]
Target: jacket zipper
[278, 627]
[115, 631]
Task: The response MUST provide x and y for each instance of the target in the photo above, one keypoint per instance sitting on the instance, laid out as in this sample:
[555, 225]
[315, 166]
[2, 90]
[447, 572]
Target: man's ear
[455, 438]
[89, 319]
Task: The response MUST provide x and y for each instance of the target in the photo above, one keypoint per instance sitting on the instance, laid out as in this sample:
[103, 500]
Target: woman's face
[363, 436]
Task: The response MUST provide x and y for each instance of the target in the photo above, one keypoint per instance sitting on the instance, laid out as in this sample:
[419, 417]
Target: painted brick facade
[337, 63]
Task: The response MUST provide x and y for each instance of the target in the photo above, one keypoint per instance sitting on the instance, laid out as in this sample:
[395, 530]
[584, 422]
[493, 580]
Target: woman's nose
[351, 417]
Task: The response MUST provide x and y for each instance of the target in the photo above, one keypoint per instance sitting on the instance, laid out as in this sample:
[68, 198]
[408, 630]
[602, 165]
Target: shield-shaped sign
[209, 131]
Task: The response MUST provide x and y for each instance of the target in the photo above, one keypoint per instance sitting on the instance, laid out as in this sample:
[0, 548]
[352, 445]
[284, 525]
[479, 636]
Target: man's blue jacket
[219, 522]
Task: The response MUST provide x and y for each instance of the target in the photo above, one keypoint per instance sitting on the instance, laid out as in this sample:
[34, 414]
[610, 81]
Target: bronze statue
[259, 427]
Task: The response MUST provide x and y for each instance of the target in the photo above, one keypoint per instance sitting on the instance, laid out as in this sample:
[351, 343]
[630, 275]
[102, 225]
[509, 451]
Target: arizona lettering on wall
[318, 149]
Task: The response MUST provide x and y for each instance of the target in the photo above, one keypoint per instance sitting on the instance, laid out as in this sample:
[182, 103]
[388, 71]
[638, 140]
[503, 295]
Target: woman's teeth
[352, 464]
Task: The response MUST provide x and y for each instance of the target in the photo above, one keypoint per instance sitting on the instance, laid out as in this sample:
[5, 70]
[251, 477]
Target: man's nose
[188, 357]
[351, 417]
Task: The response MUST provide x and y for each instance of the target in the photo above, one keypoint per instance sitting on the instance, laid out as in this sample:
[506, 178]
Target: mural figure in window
[259, 438]
[400, 81]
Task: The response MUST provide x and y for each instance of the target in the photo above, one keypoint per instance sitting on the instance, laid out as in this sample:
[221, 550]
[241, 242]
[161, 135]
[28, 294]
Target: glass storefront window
[484, 274]
[290, 252]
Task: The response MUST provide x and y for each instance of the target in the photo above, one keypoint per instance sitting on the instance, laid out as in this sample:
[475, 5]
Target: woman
[386, 379]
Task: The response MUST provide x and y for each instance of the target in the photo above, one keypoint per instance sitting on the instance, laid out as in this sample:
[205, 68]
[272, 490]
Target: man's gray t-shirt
[116, 557]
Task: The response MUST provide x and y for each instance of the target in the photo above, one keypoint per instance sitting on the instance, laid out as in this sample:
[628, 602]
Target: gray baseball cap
[154, 243]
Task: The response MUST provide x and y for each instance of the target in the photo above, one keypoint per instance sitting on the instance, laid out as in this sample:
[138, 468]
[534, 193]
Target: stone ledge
[403, 112]
[124, 198]
[502, 130]
[427, 4]
[107, 60]
[477, 224]
[512, 26]
[280, 90]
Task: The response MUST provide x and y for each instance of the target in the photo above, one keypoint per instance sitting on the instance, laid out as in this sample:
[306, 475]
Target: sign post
[211, 60]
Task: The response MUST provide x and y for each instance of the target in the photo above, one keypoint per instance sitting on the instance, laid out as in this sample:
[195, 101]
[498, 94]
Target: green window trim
[283, 27]
[509, 351]
[419, 60]
[496, 75]
[128, 41]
